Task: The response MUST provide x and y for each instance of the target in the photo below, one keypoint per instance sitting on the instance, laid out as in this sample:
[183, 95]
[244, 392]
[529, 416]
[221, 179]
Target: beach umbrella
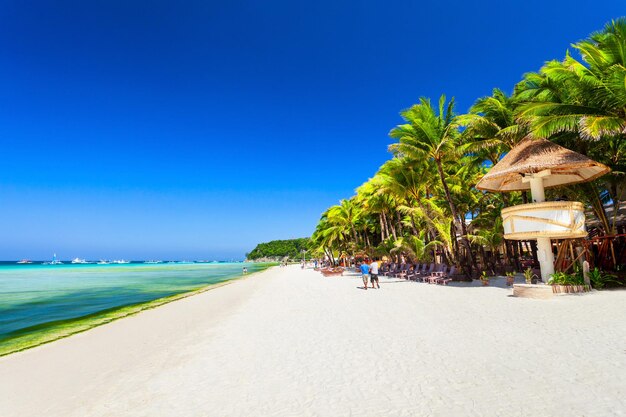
[536, 164]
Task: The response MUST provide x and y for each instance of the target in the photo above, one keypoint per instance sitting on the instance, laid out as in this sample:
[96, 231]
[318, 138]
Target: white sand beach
[288, 342]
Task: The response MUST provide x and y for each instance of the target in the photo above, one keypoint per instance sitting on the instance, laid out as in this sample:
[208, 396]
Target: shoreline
[82, 324]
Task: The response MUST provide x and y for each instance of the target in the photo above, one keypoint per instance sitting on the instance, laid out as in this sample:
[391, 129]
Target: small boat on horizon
[103, 262]
[79, 261]
[152, 262]
[120, 261]
[25, 261]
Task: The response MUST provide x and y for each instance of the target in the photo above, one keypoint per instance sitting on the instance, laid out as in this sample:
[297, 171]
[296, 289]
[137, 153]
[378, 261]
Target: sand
[288, 342]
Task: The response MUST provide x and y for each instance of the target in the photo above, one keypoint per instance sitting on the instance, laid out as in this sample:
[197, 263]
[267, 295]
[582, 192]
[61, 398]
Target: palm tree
[415, 248]
[412, 184]
[582, 105]
[433, 134]
[589, 100]
[491, 128]
[377, 204]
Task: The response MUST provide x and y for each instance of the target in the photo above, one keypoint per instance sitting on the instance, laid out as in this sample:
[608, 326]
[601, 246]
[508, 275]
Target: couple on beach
[370, 271]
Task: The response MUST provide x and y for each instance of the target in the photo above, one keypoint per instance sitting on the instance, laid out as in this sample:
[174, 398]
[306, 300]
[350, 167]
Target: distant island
[278, 250]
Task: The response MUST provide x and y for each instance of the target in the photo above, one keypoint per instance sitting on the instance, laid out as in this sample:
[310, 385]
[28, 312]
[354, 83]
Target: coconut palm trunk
[455, 215]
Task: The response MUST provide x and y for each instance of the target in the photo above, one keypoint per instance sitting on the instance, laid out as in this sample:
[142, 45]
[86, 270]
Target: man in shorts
[374, 274]
[365, 273]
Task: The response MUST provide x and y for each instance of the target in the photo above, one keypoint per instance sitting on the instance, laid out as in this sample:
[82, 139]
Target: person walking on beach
[365, 273]
[374, 273]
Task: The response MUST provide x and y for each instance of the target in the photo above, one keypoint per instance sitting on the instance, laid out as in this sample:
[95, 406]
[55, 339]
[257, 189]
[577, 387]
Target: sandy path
[292, 343]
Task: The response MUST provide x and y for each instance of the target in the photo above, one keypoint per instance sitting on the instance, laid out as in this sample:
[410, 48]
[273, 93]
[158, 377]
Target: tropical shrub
[600, 279]
[529, 276]
[561, 278]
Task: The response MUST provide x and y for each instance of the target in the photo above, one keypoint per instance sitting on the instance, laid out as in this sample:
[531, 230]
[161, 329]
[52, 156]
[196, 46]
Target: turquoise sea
[35, 298]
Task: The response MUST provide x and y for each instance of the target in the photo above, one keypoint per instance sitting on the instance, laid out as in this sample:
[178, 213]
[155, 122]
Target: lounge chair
[447, 277]
[439, 272]
[412, 275]
[435, 273]
[409, 272]
[426, 273]
[424, 270]
[391, 270]
[401, 273]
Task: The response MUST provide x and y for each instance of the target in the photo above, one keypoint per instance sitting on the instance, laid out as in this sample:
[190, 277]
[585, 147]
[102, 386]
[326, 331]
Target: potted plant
[510, 278]
[484, 278]
[529, 276]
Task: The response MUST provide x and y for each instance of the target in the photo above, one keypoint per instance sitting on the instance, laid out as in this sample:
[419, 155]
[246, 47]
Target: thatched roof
[531, 156]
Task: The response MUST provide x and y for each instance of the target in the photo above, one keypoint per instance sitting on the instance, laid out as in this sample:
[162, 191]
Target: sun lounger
[410, 270]
[442, 277]
[447, 276]
[412, 275]
[401, 273]
[437, 273]
[425, 274]
[391, 270]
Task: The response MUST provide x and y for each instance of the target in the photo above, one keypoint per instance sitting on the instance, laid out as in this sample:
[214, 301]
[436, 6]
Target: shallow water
[34, 298]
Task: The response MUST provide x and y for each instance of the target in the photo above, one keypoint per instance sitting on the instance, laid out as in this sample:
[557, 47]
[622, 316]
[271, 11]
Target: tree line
[280, 249]
[423, 201]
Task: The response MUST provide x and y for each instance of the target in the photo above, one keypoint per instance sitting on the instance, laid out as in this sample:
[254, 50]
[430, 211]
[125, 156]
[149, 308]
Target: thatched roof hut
[531, 156]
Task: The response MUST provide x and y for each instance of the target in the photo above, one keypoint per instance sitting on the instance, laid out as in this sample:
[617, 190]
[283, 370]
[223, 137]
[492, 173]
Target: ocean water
[37, 298]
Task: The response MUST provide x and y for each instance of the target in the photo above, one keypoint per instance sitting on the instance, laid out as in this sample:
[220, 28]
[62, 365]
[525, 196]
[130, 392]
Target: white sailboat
[54, 261]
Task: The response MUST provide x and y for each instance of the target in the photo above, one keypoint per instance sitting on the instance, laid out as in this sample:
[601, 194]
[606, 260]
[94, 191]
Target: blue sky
[195, 129]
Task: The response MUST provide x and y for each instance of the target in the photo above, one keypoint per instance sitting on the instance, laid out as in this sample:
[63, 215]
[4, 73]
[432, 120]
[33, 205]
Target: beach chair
[418, 270]
[412, 275]
[410, 270]
[439, 272]
[391, 270]
[401, 273]
[447, 276]
[426, 273]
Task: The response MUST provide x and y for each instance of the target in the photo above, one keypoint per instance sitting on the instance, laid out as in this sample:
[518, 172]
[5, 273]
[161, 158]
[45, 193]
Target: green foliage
[280, 249]
[600, 279]
[561, 278]
[415, 248]
[529, 276]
